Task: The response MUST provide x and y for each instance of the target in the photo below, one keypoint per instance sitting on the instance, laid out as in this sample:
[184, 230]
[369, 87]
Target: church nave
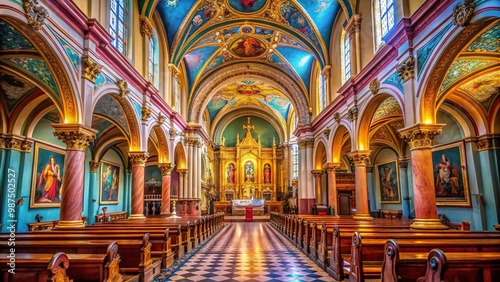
[248, 252]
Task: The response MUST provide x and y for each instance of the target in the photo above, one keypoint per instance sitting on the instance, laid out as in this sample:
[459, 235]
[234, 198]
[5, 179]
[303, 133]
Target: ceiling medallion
[248, 47]
[171, 3]
[247, 6]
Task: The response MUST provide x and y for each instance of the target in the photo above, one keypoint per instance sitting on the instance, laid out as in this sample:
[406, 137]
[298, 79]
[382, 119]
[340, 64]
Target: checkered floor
[250, 251]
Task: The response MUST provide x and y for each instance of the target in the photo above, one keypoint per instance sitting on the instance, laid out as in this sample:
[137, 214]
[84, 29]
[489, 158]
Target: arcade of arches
[130, 105]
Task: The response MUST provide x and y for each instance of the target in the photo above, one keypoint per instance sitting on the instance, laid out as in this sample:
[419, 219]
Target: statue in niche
[267, 173]
[230, 171]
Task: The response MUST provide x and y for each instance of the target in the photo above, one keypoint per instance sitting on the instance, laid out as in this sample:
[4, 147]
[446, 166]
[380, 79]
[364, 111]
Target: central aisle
[251, 251]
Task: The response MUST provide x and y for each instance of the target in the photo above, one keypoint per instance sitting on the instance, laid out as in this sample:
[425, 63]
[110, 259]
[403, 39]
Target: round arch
[319, 155]
[338, 141]
[180, 156]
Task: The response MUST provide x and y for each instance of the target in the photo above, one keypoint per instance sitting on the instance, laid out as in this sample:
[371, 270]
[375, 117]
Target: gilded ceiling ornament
[26, 145]
[375, 86]
[352, 114]
[161, 118]
[90, 68]
[35, 15]
[138, 158]
[123, 87]
[146, 28]
[360, 158]
[166, 168]
[77, 137]
[403, 164]
[145, 111]
[483, 144]
[326, 132]
[406, 70]
[420, 135]
[462, 13]
[94, 166]
[336, 117]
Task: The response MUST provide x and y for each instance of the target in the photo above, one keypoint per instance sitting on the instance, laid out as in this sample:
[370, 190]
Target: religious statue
[230, 171]
[267, 173]
[249, 172]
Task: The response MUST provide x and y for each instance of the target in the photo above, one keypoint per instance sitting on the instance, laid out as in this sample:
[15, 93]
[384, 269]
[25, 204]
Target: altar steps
[241, 218]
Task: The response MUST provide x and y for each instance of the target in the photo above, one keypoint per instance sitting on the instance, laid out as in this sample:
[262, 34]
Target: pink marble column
[77, 138]
[361, 159]
[138, 161]
[331, 169]
[317, 185]
[166, 170]
[419, 138]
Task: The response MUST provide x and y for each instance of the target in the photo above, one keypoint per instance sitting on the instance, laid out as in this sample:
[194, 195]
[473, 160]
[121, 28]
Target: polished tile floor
[247, 251]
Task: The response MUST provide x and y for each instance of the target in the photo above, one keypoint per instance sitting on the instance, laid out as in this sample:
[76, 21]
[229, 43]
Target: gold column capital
[35, 15]
[77, 137]
[90, 69]
[138, 158]
[332, 167]
[360, 157]
[420, 135]
[146, 27]
[306, 143]
[317, 173]
[166, 168]
[182, 172]
[406, 70]
[94, 166]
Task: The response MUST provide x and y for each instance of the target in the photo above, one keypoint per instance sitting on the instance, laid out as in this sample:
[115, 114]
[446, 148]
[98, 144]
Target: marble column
[306, 185]
[317, 184]
[166, 170]
[353, 27]
[93, 188]
[331, 170]
[403, 182]
[361, 158]
[77, 138]
[138, 161]
[419, 138]
[182, 174]
[371, 191]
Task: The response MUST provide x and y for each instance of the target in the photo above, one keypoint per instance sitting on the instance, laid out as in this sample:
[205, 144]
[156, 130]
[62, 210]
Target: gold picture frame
[388, 182]
[109, 183]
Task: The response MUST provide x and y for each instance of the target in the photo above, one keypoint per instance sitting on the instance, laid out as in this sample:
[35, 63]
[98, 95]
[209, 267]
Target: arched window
[295, 161]
[154, 58]
[322, 92]
[345, 54]
[118, 24]
[384, 19]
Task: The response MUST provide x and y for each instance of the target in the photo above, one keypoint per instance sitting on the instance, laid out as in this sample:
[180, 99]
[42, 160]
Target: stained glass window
[384, 19]
[118, 25]
[151, 59]
[295, 161]
[322, 93]
[345, 54]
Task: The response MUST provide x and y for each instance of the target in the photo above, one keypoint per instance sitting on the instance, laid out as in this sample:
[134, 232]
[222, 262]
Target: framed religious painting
[109, 191]
[450, 177]
[48, 173]
[388, 182]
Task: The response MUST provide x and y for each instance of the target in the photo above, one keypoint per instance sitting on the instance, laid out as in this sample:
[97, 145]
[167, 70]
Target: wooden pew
[438, 265]
[36, 270]
[135, 254]
[83, 267]
[367, 255]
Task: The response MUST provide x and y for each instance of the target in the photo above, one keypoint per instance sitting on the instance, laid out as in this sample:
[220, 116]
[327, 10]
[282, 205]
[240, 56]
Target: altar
[239, 206]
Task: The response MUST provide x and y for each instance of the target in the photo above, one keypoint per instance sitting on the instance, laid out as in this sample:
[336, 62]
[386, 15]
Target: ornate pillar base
[428, 224]
[69, 224]
[137, 216]
[362, 217]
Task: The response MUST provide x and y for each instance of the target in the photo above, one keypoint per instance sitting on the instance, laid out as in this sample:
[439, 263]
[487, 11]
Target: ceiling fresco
[389, 106]
[107, 106]
[246, 93]
[12, 39]
[489, 41]
[14, 88]
[483, 89]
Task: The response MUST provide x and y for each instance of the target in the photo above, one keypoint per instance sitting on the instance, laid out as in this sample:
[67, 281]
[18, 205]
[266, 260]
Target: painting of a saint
[267, 173]
[388, 182]
[230, 173]
[248, 47]
[249, 172]
[247, 5]
[47, 181]
[110, 183]
[450, 180]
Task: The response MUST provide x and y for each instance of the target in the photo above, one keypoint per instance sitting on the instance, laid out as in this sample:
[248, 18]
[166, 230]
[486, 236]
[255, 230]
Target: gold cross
[248, 127]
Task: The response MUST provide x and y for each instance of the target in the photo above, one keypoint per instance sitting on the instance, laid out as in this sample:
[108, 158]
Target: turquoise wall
[262, 127]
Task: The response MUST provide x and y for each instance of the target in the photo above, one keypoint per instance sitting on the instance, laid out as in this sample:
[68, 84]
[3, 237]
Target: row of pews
[123, 250]
[389, 250]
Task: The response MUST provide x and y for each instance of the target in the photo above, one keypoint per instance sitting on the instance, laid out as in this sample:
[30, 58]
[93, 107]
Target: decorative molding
[484, 144]
[332, 167]
[173, 133]
[90, 69]
[166, 168]
[193, 142]
[145, 112]
[369, 169]
[146, 27]
[403, 164]
[360, 158]
[94, 166]
[123, 87]
[77, 137]
[462, 13]
[35, 15]
[374, 86]
[306, 143]
[420, 135]
[182, 173]
[14, 142]
[336, 117]
[352, 114]
[161, 118]
[138, 158]
[406, 70]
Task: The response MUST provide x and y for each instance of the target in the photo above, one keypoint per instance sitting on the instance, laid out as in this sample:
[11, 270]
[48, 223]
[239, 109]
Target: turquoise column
[403, 183]
[93, 203]
[127, 186]
[489, 165]
[371, 190]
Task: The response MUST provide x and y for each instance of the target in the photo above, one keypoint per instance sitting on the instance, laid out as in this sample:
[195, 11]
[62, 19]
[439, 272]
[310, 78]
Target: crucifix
[248, 127]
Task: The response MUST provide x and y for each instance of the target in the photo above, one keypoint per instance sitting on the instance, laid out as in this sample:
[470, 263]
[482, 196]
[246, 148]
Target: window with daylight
[322, 93]
[384, 19]
[118, 24]
[295, 161]
[345, 54]
[154, 58]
